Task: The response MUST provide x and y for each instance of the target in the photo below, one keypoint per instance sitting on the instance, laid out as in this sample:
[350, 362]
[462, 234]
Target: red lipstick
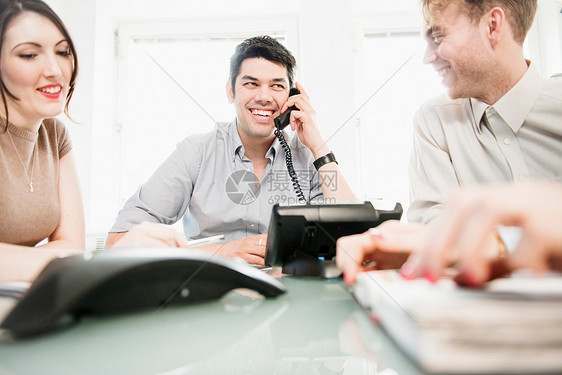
[51, 91]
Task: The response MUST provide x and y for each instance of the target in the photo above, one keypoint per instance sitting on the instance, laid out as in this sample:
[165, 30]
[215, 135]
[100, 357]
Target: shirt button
[507, 141]
[492, 111]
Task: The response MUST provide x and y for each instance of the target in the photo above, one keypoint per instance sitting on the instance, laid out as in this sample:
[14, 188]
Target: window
[391, 48]
[394, 84]
[172, 84]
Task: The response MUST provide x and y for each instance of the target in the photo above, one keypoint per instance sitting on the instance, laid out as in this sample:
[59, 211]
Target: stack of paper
[513, 325]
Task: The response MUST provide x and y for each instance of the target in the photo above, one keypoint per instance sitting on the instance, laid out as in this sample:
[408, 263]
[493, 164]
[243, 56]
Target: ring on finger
[368, 263]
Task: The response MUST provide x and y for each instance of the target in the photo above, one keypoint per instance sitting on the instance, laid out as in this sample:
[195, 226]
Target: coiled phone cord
[289, 161]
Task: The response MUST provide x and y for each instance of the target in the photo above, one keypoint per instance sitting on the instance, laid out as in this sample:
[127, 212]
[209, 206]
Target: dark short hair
[265, 47]
[10, 9]
[519, 13]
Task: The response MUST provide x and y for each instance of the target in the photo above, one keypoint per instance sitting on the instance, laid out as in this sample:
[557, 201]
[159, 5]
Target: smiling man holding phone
[226, 181]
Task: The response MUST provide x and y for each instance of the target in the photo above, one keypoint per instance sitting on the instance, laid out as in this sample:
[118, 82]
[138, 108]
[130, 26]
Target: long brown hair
[10, 9]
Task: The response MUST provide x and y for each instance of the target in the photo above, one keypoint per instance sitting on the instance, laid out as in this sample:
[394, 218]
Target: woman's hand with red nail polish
[384, 247]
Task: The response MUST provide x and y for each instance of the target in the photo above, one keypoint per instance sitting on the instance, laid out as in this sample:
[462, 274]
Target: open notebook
[513, 325]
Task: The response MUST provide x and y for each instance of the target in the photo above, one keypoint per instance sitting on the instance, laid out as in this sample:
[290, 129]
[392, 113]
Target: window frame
[195, 29]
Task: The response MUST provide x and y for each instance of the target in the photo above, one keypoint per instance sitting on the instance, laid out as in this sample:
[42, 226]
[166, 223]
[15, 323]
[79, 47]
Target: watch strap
[328, 158]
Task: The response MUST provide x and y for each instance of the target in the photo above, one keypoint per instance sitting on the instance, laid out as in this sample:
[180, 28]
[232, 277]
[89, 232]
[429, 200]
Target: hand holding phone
[282, 120]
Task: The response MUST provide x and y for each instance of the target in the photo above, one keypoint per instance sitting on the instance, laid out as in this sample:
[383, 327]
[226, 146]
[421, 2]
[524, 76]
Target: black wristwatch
[328, 158]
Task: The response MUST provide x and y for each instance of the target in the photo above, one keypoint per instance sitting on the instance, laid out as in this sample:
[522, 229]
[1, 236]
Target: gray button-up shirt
[465, 142]
[209, 179]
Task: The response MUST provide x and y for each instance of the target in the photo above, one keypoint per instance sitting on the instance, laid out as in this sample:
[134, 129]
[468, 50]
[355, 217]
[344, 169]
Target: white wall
[327, 68]
[79, 17]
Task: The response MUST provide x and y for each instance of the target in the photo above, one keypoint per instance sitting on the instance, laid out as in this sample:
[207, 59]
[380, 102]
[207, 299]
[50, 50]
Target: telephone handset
[281, 122]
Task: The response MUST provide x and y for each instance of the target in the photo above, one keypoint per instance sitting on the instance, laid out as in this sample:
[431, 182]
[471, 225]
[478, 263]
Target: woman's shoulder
[56, 135]
[54, 125]
[55, 129]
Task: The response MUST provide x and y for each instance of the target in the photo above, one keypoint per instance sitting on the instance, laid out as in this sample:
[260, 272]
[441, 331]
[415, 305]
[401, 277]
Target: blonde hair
[519, 13]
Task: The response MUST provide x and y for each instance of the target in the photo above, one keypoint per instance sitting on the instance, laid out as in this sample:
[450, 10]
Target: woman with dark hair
[39, 191]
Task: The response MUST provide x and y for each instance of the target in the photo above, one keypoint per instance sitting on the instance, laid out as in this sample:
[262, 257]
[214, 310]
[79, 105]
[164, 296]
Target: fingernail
[407, 271]
[374, 232]
[429, 275]
[466, 278]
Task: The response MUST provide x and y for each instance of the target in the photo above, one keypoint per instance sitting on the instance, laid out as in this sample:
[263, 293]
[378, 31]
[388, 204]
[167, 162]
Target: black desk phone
[120, 280]
[281, 122]
[302, 238]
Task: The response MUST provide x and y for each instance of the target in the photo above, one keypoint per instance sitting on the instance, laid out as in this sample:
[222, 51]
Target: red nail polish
[429, 275]
[467, 278]
[407, 271]
[374, 232]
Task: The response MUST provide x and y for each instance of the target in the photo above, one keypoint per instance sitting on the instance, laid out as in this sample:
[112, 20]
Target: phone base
[306, 265]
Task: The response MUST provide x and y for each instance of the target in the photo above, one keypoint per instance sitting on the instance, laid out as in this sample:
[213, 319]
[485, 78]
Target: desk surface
[314, 328]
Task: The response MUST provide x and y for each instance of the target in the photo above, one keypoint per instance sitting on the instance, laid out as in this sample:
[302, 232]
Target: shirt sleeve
[316, 194]
[63, 139]
[165, 197]
[431, 172]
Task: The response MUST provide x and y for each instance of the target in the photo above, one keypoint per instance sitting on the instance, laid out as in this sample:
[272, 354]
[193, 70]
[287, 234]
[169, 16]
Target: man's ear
[495, 25]
[229, 92]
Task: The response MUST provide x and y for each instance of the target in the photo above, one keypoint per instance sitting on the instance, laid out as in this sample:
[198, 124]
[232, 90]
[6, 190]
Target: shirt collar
[515, 105]
[478, 109]
[233, 139]
[238, 147]
[276, 148]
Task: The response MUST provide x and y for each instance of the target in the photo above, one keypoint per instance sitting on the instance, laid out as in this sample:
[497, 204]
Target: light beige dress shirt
[465, 142]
